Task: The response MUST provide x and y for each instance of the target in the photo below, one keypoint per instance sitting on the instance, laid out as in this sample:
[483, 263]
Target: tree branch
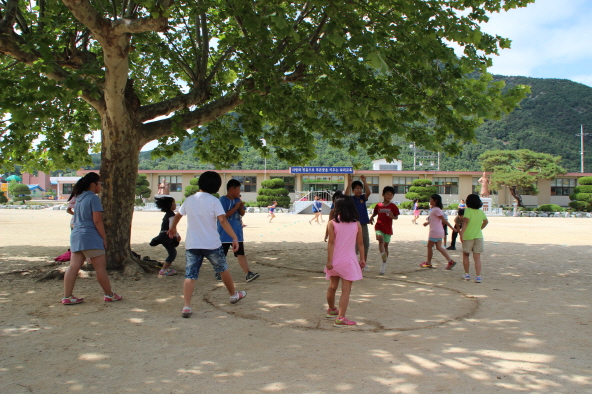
[10, 11]
[218, 64]
[141, 25]
[164, 108]
[205, 53]
[88, 16]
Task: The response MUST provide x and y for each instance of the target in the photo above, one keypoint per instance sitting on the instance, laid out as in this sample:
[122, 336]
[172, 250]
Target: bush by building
[421, 190]
[581, 198]
[21, 193]
[192, 188]
[273, 190]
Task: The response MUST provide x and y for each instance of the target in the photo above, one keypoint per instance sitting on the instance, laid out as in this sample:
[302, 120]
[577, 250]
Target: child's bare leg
[165, 266]
[386, 244]
[442, 250]
[228, 282]
[466, 262]
[430, 252]
[188, 286]
[477, 260]
[380, 240]
[331, 290]
[346, 286]
[242, 261]
[76, 261]
[100, 265]
[445, 239]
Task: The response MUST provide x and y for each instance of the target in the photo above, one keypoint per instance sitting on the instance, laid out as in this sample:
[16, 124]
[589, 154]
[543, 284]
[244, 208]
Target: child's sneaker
[72, 300]
[451, 264]
[343, 322]
[466, 276]
[425, 264]
[218, 276]
[477, 279]
[186, 312]
[167, 272]
[112, 297]
[383, 269]
[384, 257]
[238, 296]
[333, 313]
[251, 276]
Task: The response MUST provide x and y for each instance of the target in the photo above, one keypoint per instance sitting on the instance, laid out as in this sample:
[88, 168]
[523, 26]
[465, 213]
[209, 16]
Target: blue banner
[321, 170]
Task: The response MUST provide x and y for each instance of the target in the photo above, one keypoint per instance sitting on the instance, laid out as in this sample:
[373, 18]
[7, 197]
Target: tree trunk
[119, 170]
[516, 195]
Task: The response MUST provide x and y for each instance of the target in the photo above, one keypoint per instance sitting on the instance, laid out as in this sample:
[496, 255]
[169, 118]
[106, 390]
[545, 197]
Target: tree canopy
[520, 169]
[355, 72]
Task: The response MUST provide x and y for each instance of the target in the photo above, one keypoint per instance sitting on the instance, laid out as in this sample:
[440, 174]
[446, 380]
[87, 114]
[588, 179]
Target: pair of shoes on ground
[167, 272]
[339, 321]
[451, 248]
[74, 300]
[239, 295]
[467, 277]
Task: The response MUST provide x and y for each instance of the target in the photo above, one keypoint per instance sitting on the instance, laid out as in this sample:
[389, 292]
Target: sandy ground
[525, 329]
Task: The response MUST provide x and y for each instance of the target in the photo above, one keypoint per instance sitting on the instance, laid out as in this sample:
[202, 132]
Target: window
[175, 182]
[403, 183]
[289, 182]
[67, 188]
[563, 186]
[248, 183]
[372, 182]
[526, 191]
[446, 185]
[389, 167]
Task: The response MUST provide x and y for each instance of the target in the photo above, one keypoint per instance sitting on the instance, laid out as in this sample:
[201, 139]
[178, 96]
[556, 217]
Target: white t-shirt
[202, 211]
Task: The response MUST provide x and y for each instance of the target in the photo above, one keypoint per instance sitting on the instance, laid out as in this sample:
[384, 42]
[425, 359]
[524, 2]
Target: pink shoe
[112, 297]
[72, 300]
[239, 295]
[332, 313]
[343, 322]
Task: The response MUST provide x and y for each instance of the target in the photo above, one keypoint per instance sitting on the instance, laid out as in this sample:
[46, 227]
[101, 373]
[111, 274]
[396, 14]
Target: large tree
[356, 72]
[519, 169]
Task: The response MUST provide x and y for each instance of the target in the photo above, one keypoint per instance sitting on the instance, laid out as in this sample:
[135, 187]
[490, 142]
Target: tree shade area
[356, 73]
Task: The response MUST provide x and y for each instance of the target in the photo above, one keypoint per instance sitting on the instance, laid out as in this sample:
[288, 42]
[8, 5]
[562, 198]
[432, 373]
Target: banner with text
[321, 170]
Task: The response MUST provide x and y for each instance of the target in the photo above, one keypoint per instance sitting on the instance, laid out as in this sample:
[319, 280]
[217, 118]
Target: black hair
[473, 201]
[388, 189]
[357, 183]
[164, 203]
[461, 212]
[73, 193]
[345, 210]
[336, 195]
[438, 199]
[84, 183]
[232, 183]
[209, 182]
[416, 200]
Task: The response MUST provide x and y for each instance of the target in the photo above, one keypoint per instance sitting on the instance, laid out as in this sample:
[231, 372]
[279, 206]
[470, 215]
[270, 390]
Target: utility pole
[582, 135]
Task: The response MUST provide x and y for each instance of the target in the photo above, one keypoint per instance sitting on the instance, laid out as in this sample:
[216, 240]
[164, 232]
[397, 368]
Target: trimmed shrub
[583, 189]
[192, 188]
[550, 208]
[139, 202]
[142, 190]
[579, 205]
[3, 198]
[585, 180]
[453, 206]
[275, 183]
[421, 190]
[21, 193]
[273, 190]
[583, 197]
[422, 182]
[406, 205]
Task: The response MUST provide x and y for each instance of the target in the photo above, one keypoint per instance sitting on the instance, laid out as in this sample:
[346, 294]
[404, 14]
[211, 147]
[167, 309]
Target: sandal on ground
[186, 312]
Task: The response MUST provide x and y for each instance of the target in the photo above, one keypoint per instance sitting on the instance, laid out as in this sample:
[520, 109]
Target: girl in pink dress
[437, 221]
[342, 262]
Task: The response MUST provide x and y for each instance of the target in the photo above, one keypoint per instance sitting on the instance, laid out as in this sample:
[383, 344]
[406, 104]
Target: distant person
[458, 220]
[471, 235]
[342, 263]
[235, 210]
[386, 211]
[271, 211]
[415, 211]
[202, 239]
[462, 204]
[360, 191]
[436, 220]
[168, 206]
[317, 210]
[88, 239]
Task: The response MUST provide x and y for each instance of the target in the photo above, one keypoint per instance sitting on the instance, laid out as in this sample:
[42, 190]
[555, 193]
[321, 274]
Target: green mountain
[546, 121]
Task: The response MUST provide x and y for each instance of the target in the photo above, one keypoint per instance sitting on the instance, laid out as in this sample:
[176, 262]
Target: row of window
[445, 185]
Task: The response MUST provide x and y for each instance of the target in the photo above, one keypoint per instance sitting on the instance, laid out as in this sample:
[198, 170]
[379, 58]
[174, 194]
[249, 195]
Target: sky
[550, 39]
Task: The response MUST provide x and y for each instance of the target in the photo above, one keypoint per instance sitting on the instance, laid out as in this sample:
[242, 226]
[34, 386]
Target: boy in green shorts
[386, 212]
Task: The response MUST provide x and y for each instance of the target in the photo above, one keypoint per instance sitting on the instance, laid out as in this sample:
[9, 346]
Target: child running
[202, 240]
[436, 220]
[415, 211]
[471, 235]
[168, 206]
[272, 210]
[317, 210]
[345, 233]
[458, 219]
[235, 210]
[387, 212]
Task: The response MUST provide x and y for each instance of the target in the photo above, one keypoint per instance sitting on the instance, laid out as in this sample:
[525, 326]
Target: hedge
[422, 182]
[583, 189]
[585, 180]
[580, 205]
[273, 192]
[282, 201]
[423, 189]
[275, 183]
[587, 197]
[550, 208]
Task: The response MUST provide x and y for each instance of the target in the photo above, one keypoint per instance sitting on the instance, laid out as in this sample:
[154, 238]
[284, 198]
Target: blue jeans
[194, 258]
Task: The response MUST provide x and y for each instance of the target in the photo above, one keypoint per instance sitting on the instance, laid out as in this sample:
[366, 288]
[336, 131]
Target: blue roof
[33, 187]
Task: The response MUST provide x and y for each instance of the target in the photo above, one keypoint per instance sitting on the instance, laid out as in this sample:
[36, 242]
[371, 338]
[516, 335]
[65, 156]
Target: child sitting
[168, 206]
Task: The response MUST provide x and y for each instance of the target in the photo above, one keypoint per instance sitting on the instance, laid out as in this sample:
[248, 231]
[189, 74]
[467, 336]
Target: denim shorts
[435, 240]
[194, 258]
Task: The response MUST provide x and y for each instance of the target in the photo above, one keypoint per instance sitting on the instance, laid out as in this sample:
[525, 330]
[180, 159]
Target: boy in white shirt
[203, 212]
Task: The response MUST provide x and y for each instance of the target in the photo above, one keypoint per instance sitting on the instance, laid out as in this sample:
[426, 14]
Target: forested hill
[546, 121]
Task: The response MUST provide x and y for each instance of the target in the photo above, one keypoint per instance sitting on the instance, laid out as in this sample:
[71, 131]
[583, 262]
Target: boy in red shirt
[386, 212]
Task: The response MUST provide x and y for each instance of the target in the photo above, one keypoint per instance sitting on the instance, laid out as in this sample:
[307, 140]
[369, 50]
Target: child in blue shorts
[204, 212]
